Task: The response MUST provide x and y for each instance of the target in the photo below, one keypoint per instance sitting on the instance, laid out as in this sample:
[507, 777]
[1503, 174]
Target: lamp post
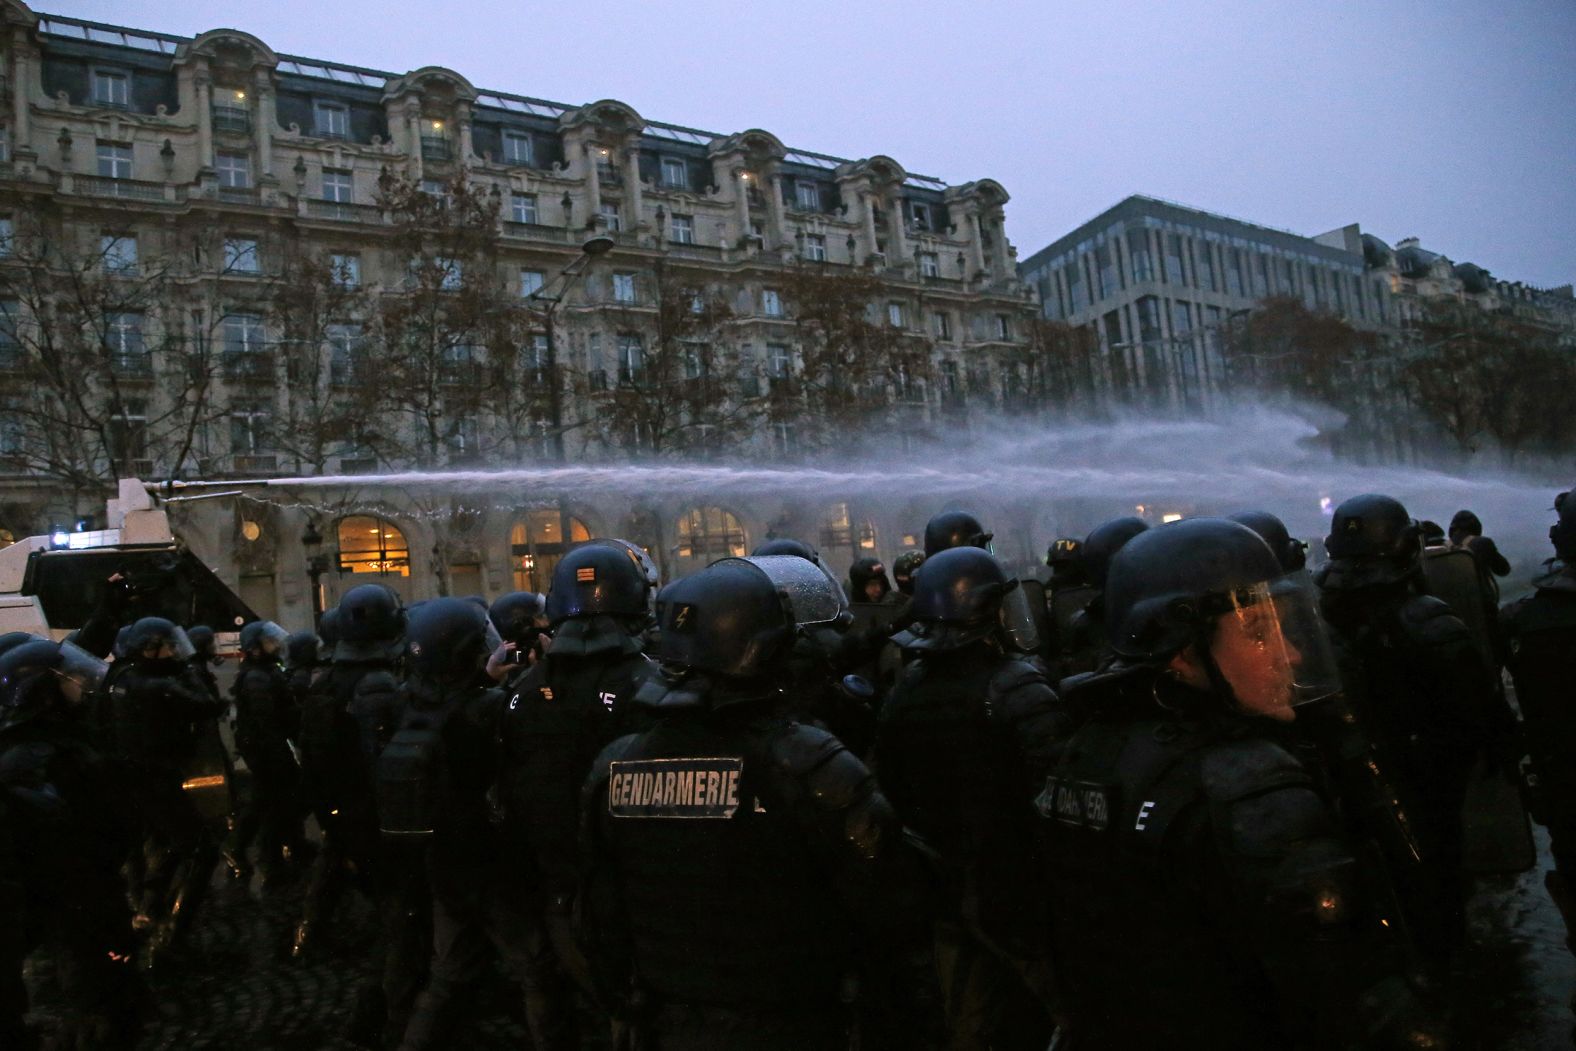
[316, 566]
[598, 245]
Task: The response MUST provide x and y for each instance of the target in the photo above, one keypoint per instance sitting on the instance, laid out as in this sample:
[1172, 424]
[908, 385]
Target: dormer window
[332, 119]
[919, 216]
[229, 110]
[675, 173]
[112, 87]
[807, 195]
[517, 148]
[434, 141]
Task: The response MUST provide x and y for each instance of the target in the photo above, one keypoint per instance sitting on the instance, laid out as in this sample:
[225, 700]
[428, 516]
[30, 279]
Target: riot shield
[1452, 576]
[1496, 835]
[1037, 607]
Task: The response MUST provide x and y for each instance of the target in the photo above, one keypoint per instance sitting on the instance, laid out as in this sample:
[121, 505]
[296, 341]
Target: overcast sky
[1450, 121]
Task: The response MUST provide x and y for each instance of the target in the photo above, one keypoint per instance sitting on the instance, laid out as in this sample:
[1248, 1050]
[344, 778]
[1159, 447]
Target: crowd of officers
[1185, 794]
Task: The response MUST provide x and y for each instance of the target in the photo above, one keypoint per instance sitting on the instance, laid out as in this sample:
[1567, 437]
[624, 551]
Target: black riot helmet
[157, 644]
[1214, 585]
[952, 529]
[328, 629]
[1372, 541]
[518, 615]
[449, 640]
[42, 673]
[1104, 541]
[1065, 559]
[958, 596]
[1292, 553]
[904, 568]
[302, 650]
[729, 620]
[12, 639]
[371, 624]
[602, 577]
[784, 545]
[263, 638]
[862, 573]
[1563, 532]
[203, 641]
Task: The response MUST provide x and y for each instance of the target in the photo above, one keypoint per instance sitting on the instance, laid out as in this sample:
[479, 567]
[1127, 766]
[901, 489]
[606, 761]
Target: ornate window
[839, 530]
[536, 543]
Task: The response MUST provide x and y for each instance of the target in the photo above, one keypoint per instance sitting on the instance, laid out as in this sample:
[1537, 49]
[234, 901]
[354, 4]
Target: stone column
[593, 183]
[741, 185]
[868, 202]
[265, 123]
[204, 85]
[462, 116]
[999, 246]
[976, 240]
[413, 136]
[21, 92]
[899, 229]
[635, 197]
[779, 214]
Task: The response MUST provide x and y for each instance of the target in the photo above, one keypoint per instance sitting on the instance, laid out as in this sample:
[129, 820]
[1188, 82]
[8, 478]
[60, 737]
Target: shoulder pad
[831, 775]
[25, 763]
[1432, 622]
[1233, 770]
[621, 748]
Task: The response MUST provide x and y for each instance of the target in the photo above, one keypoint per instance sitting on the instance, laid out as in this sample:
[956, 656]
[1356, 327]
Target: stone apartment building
[212, 161]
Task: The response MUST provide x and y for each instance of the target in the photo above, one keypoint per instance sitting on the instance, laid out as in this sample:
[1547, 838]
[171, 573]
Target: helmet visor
[80, 673]
[813, 595]
[272, 638]
[638, 555]
[1271, 646]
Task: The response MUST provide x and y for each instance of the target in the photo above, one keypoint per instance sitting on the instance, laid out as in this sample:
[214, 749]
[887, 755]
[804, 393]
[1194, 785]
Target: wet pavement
[238, 990]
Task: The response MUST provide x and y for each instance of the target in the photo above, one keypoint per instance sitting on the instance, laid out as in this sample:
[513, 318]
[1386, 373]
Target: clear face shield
[80, 674]
[173, 646]
[638, 555]
[1018, 617]
[814, 596]
[1271, 647]
[272, 638]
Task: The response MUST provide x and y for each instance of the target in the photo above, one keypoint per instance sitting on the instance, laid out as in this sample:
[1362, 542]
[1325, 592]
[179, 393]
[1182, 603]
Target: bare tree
[103, 376]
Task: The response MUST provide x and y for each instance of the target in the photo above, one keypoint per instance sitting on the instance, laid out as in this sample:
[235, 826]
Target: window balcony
[126, 189]
[232, 119]
[343, 211]
[133, 365]
[239, 194]
[435, 148]
[247, 366]
[256, 463]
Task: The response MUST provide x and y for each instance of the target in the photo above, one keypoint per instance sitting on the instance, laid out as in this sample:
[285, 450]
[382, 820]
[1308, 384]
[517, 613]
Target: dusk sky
[1449, 121]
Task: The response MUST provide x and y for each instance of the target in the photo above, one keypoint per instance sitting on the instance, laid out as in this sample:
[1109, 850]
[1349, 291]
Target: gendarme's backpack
[413, 774]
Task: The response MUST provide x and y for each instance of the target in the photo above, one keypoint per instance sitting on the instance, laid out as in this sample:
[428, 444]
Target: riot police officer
[1420, 686]
[266, 721]
[878, 612]
[739, 863]
[433, 783]
[303, 658]
[154, 702]
[65, 834]
[1068, 592]
[1289, 551]
[1201, 893]
[1540, 631]
[965, 735]
[955, 529]
[565, 709]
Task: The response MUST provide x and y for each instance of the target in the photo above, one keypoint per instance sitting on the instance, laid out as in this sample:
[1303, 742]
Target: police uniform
[1540, 631]
[1201, 893]
[266, 719]
[738, 864]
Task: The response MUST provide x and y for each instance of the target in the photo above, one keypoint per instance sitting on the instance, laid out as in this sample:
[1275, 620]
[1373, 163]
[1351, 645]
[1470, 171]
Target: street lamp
[316, 566]
[591, 248]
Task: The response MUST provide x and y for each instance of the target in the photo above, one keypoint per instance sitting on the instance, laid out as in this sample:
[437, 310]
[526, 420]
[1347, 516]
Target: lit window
[929, 264]
[807, 195]
[683, 229]
[240, 255]
[710, 532]
[895, 315]
[771, 302]
[675, 173]
[338, 186]
[114, 160]
[235, 170]
[531, 282]
[536, 543]
[346, 269]
[372, 545]
[517, 148]
[332, 119]
[119, 252]
[624, 288]
[111, 88]
[838, 530]
[522, 207]
[815, 248]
